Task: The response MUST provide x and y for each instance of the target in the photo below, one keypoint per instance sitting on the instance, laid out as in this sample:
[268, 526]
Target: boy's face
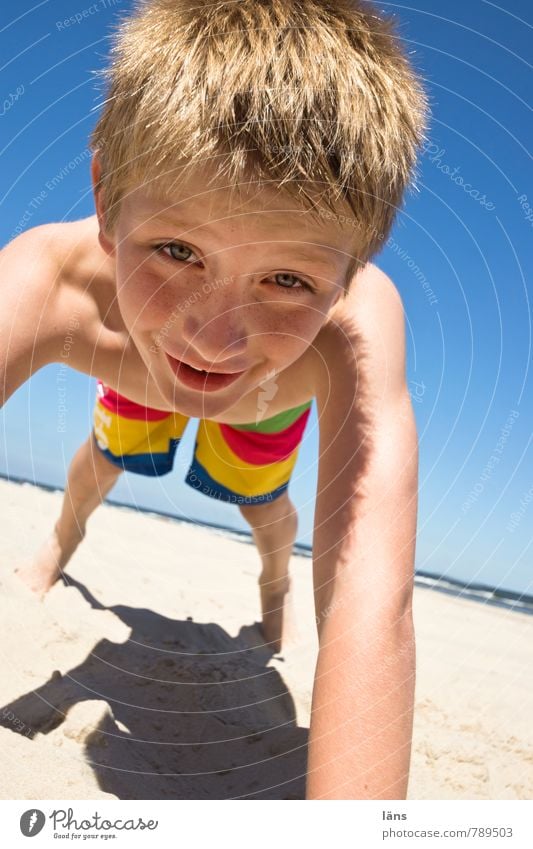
[235, 285]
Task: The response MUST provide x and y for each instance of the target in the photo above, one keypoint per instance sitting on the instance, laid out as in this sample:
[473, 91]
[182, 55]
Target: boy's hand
[364, 544]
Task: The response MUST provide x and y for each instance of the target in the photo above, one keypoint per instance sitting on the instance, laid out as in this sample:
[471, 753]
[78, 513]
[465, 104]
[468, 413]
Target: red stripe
[122, 406]
[260, 449]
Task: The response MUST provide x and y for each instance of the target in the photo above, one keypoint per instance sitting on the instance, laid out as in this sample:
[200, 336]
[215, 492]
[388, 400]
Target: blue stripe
[150, 465]
[200, 480]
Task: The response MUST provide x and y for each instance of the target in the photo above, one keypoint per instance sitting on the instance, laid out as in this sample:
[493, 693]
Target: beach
[144, 675]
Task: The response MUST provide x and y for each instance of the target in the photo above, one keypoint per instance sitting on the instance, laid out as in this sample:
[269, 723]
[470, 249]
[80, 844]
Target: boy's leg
[256, 460]
[274, 525]
[90, 477]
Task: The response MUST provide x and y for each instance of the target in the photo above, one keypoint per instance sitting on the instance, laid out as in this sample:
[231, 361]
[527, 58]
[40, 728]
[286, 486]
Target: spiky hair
[316, 97]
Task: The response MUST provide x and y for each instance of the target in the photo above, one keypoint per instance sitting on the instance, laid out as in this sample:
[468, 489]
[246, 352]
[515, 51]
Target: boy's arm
[30, 317]
[363, 550]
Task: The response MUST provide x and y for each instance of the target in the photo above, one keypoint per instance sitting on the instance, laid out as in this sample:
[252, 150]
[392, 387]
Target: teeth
[199, 370]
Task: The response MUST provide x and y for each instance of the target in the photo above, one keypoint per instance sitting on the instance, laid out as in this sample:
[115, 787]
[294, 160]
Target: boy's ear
[96, 170]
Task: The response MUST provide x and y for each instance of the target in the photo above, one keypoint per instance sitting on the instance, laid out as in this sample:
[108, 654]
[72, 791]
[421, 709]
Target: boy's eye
[179, 252]
[290, 281]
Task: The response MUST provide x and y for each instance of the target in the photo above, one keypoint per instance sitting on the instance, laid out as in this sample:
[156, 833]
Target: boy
[248, 163]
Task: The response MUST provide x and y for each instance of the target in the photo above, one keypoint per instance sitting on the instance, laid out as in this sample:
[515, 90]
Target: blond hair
[312, 96]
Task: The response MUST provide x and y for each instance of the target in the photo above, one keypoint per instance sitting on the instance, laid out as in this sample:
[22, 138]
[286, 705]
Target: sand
[145, 677]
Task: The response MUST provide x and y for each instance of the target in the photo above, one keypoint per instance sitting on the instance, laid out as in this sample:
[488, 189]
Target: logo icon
[268, 390]
[32, 822]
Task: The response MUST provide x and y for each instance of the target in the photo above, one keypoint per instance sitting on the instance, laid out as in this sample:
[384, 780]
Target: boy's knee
[269, 513]
[90, 472]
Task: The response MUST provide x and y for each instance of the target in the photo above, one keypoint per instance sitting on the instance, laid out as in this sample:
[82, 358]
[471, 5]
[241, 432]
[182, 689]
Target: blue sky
[460, 255]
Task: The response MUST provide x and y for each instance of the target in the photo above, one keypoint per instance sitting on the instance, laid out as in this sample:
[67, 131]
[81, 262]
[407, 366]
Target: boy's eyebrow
[296, 254]
[304, 256]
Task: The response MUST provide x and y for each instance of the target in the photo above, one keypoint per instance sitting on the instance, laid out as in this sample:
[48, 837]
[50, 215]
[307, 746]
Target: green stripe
[276, 423]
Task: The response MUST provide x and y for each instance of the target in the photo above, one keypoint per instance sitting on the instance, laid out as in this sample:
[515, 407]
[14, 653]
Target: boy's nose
[213, 340]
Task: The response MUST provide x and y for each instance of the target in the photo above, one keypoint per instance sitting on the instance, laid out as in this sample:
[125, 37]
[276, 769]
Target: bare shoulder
[39, 263]
[29, 267]
[364, 338]
[44, 275]
[34, 251]
[29, 318]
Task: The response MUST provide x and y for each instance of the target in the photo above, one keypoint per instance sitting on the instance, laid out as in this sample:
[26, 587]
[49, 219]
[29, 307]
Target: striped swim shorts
[241, 464]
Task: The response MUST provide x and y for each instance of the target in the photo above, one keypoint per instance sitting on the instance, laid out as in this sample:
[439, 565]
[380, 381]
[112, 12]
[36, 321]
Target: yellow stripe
[235, 474]
[124, 436]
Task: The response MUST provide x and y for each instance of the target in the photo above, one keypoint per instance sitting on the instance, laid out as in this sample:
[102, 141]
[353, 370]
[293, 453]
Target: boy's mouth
[202, 381]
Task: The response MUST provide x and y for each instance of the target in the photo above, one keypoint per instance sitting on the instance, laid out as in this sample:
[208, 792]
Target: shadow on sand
[192, 713]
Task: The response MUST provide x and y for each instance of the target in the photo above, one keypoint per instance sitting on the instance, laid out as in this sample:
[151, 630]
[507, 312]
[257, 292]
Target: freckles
[302, 323]
[290, 333]
[147, 296]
